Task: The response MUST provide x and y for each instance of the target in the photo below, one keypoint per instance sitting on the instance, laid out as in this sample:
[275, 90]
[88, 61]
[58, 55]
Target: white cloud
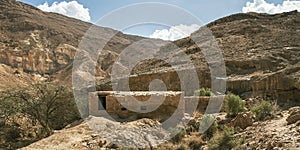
[71, 9]
[175, 32]
[261, 6]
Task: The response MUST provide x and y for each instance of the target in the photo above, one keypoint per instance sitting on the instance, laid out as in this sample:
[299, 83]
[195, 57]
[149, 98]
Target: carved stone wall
[162, 106]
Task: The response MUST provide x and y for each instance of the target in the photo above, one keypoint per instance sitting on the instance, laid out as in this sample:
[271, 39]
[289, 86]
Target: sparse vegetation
[195, 145]
[209, 126]
[177, 134]
[251, 53]
[12, 133]
[223, 140]
[193, 126]
[204, 92]
[181, 147]
[233, 105]
[45, 105]
[263, 109]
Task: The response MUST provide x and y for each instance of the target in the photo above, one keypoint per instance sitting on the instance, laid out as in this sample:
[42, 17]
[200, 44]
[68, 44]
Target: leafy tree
[50, 105]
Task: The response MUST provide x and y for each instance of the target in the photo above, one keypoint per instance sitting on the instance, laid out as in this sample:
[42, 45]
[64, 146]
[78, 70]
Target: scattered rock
[95, 134]
[242, 120]
[294, 115]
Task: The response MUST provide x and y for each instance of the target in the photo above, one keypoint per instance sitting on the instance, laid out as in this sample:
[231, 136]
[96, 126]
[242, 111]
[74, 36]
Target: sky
[177, 26]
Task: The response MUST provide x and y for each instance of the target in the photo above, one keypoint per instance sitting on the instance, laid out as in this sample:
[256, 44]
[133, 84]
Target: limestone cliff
[39, 42]
[261, 53]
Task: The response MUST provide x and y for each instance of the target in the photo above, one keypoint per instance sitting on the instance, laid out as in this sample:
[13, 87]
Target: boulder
[294, 115]
[242, 120]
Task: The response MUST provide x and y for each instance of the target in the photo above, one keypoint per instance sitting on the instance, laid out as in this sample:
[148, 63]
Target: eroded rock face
[261, 53]
[34, 41]
[39, 60]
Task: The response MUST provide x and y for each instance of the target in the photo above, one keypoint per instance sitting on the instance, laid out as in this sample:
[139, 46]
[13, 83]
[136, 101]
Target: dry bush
[233, 105]
[264, 109]
[223, 140]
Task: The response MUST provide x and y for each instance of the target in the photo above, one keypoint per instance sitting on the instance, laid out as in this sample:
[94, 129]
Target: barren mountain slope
[9, 75]
[261, 53]
[46, 43]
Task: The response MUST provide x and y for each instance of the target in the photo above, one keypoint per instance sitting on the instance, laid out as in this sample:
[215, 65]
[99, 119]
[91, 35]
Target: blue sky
[204, 10]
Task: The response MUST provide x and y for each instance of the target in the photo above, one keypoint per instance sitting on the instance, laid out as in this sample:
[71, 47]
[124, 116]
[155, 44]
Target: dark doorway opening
[101, 102]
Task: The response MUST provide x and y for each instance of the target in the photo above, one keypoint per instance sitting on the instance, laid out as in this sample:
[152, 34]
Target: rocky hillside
[261, 53]
[282, 132]
[34, 41]
[109, 134]
[9, 75]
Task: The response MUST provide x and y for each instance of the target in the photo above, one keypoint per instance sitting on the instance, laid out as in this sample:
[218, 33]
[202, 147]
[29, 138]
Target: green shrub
[223, 140]
[11, 133]
[195, 145]
[203, 92]
[52, 106]
[263, 109]
[181, 147]
[209, 126]
[177, 135]
[194, 125]
[233, 105]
